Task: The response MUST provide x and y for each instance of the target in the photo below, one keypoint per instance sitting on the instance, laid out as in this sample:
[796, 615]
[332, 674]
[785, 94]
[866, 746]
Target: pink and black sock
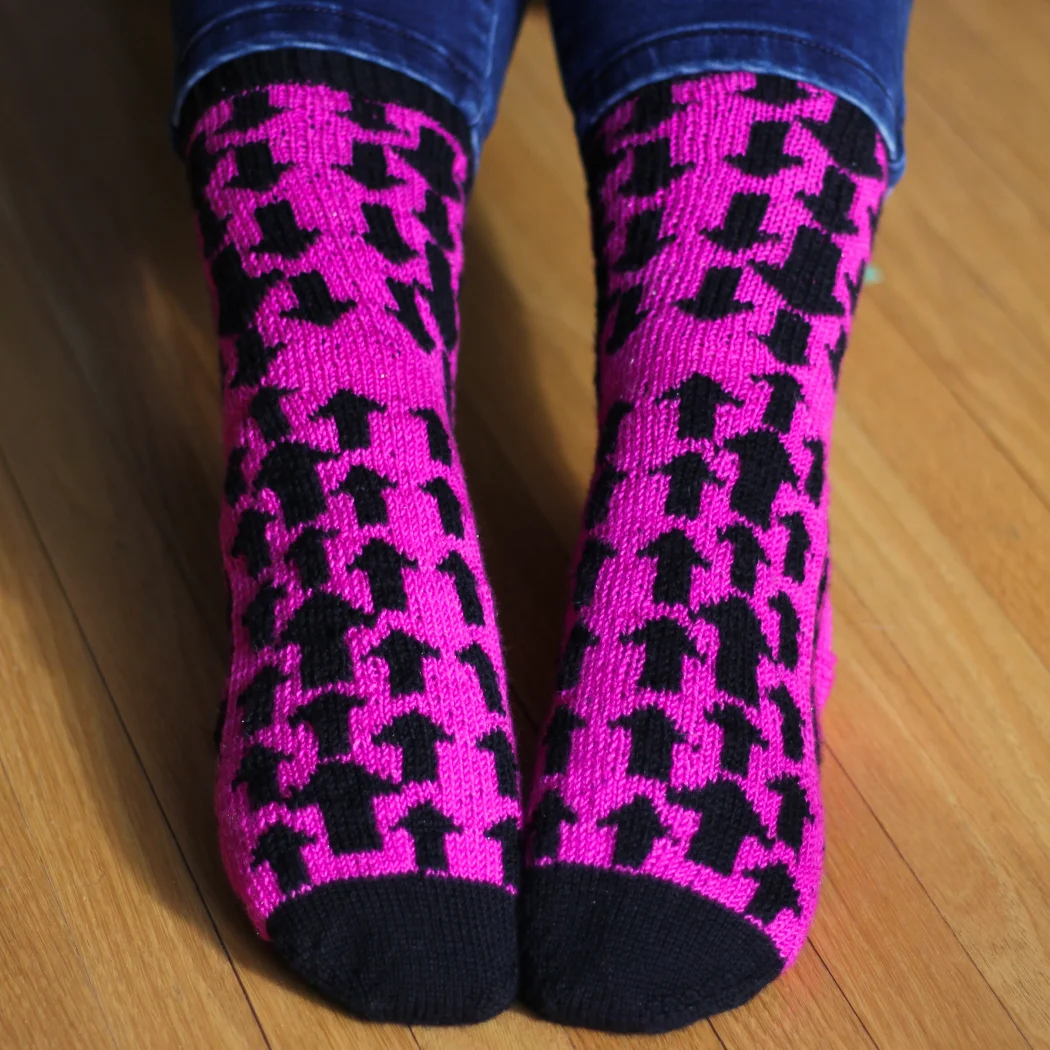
[675, 831]
[367, 793]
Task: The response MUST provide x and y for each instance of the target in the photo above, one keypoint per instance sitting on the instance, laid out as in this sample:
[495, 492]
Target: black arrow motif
[667, 644]
[764, 466]
[557, 741]
[256, 169]
[417, 738]
[475, 657]
[328, 716]
[698, 399]
[407, 313]
[594, 555]
[776, 892]
[742, 226]
[314, 302]
[281, 233]
[234, 486]
[602, 490]
[790, 625]
[835, 355]
[404, 656]
[368, 114]
[637, 827]
[383, 234]
[437, 436]
[289, 470]
[240, 295]
[434, 159]
[319, 629]
[255, 701]
[307, 553]
[265, 409]
[429, 828]
[875, 217]
[250, 111]
[854, 285]
[576, 645]
[765, 156]
[250, 541]
[434, 218]
[653, 736]
[849, 136]
[368, 167]
[739, 735]
[455, 567]
[281, 847]
[747, 553]
[689, 473]
[253, 358]
[610, 432]
[653, 170]
[450, 397]
[550, 814]
[258, 773]
[601, 164]
[365, 487]
[384, 566]
[629, 316]
[448, 506]
[815, 478]
[676, 557]
[727, 818]
[790, 722]
[786, 393]
[806, 279]
[794, 811]
[442, 296]
[773, 90]
[644, 242]
[716, 299]
[831, 207]
[788, 339]
[261, 615]
[652, 106]
[505, 832]
[201, 165]
[797, 547]
[350, 412]
[741, 644]
[506, 764]
[344, 792]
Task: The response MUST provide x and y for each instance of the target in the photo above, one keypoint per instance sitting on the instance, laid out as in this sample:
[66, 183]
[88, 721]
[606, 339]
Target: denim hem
[313, 27]
[729, 49]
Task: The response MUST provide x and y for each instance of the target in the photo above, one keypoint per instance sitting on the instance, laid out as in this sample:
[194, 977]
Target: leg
[676, 837]
[367, 789]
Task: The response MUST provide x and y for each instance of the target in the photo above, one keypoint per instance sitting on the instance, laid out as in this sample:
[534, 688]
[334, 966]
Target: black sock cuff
[356, 76]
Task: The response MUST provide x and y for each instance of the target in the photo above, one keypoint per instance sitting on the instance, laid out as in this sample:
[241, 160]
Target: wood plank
[41, 973]
[131, 906]
[983, 716]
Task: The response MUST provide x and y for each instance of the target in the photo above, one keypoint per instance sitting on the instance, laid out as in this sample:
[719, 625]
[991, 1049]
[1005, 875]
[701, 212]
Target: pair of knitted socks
[368, 794]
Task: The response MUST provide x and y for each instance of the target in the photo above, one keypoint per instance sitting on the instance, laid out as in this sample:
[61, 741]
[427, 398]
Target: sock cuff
[356, 76]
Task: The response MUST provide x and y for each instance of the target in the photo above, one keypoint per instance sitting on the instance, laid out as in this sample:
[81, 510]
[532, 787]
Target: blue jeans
[607, 48]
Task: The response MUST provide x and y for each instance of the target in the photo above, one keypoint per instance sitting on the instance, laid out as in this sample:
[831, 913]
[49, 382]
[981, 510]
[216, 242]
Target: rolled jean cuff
[725, 49]
[306, 27]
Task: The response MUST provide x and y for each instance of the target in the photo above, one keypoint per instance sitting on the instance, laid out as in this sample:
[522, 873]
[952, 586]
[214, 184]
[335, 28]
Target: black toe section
[631, 953]
[409, 949]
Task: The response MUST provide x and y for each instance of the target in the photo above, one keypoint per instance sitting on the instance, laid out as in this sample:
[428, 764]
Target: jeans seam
[625, 53]
[280, 8]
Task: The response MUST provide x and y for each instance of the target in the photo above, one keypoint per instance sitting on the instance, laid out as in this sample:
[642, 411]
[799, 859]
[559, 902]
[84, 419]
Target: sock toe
[407, 949]
[631, 953]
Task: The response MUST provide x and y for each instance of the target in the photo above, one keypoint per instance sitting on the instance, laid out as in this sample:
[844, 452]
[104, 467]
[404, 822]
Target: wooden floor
[116, 924]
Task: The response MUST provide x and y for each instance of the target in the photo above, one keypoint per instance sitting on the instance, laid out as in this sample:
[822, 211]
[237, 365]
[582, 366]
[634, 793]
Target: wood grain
[116, 924]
